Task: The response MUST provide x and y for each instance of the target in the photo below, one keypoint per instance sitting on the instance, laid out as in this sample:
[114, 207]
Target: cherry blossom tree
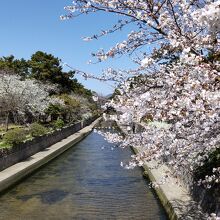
[168, 27]
[175, 86]
[19, 96]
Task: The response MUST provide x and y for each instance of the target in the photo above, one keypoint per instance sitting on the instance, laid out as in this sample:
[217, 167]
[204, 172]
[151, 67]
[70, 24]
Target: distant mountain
[108, 96]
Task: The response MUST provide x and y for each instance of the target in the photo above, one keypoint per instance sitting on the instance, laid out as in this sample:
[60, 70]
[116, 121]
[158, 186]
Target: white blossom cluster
[187, 101]
[165, 26]
[209, 16]
[212, 179]
[22, 96]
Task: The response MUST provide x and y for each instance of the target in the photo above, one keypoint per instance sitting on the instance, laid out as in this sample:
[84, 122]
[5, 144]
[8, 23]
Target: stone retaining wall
[9, 157]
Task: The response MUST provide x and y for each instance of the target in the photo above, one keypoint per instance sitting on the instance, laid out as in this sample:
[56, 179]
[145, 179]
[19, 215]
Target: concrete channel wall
[18, 171]
[11, 156]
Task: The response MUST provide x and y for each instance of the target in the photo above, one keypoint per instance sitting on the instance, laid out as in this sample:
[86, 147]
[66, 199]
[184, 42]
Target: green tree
[55, 111]
[46, 67]
[78, 88]
[72, 109]
[16, 66]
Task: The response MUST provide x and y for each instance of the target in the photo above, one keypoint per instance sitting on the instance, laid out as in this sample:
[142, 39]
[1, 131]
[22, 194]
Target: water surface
[86, 182]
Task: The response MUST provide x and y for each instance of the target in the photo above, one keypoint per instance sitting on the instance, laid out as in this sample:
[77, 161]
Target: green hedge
[59, 123]
[37, 130]
[15, 136]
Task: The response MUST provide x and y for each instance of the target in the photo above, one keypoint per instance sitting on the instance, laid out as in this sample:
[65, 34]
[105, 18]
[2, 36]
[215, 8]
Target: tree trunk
[6, 121]
[15, 118]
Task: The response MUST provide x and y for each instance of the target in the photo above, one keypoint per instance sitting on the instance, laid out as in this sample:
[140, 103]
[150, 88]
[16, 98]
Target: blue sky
[29, 25]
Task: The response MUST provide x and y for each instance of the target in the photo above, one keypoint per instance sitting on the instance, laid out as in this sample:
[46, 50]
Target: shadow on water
[86, 182]
[46, 197]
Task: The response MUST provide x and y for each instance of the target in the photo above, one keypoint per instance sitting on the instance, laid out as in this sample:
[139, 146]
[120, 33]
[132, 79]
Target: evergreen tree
[10, 64]
[46, 67]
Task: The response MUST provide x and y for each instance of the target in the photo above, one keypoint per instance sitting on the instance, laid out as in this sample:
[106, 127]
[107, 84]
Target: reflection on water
[85, 182]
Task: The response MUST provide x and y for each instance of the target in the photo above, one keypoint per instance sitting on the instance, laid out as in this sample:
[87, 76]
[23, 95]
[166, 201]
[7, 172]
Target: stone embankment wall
[11, 156]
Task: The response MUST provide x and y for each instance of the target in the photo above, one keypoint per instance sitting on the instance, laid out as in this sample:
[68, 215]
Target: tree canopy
[20, 67]
[46, 68]
[39, 88]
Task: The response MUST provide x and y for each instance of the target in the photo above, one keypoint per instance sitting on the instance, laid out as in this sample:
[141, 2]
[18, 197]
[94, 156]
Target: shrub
[211, 162]
[59, 123]
[37, 130]
[15, 136]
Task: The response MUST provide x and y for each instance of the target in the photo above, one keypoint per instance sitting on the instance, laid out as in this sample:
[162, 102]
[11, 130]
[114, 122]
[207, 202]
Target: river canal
[86, 182]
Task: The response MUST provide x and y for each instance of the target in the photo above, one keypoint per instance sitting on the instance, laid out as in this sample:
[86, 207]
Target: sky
[28, 26]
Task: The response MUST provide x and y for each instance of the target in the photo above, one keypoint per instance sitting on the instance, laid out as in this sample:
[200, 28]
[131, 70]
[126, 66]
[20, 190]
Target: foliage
[26, 100]
[4, 145]
[70, 101]
[15, 136]
[59, 123]
[47, 68]
[78, 88]
[20, 67]
[115, 93]
[10, 126]
[206, 171]
[54, 110]
[72, 108]
[37, 130]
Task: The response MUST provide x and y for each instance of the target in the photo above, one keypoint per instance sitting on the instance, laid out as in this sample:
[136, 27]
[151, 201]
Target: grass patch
[10, 126]
[4, 145]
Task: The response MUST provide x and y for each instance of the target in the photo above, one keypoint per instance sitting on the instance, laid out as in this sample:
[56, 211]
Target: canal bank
[18, 171]
[174, 197]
